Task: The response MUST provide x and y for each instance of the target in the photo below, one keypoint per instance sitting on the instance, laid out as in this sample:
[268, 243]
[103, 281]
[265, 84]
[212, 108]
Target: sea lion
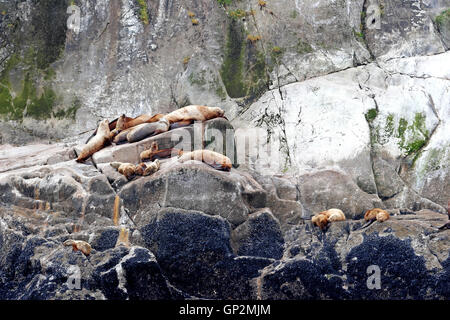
[101, 139]
[145, 130]
[180, 124]
[122, 136]
[130, 170]
[323, 218]
[216, 160]
[151, 167]
[154, 153]
[124, 123]
[77, 245]
[194, 113]
[376, 214]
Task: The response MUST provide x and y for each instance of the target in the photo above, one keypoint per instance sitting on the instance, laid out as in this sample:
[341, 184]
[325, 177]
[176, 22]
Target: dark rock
[259, 236]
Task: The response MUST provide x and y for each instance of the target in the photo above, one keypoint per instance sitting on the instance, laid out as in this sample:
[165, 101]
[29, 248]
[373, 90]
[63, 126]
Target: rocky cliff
[354, 94]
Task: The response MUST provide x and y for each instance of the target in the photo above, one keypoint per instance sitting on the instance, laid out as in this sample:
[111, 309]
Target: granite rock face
[354, 95]
[189, 231]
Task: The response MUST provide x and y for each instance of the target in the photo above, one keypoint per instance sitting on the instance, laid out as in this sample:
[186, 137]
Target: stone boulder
[192, 245]
[328, 189]
[193, 186]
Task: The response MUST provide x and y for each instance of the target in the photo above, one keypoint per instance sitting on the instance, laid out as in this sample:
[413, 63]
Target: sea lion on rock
[122, 136]
[101, 139]
[130, 170]
[376, 214]
[194, 113]
[216, 160]
[145, 130]
[82, 246]
[323, 218]
[151, 167]
[125, 123]
[154, 153]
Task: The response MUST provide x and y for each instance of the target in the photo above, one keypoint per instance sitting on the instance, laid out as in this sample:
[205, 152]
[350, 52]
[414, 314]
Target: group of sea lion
[125, 129]
[323, 218]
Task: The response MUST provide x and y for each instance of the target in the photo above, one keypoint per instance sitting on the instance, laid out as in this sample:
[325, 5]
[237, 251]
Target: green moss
[197, 79]
[41, 108]
[303, 47]
[224, 2]
[417, 134]
[371, 114]
[390, 125]
[143, 11]
[233, 65]
[237, 14]
[442, 18]
[71, 112]
[294, 14]
[420, 125]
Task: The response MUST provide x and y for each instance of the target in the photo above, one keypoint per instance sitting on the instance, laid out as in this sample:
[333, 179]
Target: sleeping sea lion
[216, 160]
[82, 246]
[122, 136]
[154, 153]
[323, 218]
[130, 170]
[194, 113]
[145, 118]
[151, 167]
[376, 214]
[101, 139]
[145, 130]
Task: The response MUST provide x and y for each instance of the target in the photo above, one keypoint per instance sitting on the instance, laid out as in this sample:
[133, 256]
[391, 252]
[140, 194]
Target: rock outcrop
[189, 231]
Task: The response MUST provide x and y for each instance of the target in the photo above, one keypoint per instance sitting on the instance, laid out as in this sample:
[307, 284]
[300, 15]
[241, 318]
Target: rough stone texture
[193, 186]
[333, 265]
[146, 248]
[259, 236]
[331, 189]
[360, 115]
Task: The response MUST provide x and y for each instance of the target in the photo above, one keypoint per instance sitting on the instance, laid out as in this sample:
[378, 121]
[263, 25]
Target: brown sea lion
[82, 246]
[145, 118]
[130, 170]
[323, 218]
[123, 122]
[151, 167]
[180, 124]
[101, 139]
[154, 153]
[216, 160]
[194, 113]
[376, 214]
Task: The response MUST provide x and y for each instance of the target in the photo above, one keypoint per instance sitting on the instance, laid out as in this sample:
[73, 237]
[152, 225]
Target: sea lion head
[120, 125]
[103, 128]
[320, 220]
[217, 112]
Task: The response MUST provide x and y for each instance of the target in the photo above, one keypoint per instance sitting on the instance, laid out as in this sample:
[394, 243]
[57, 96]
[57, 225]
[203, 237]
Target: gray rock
[328, 189]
